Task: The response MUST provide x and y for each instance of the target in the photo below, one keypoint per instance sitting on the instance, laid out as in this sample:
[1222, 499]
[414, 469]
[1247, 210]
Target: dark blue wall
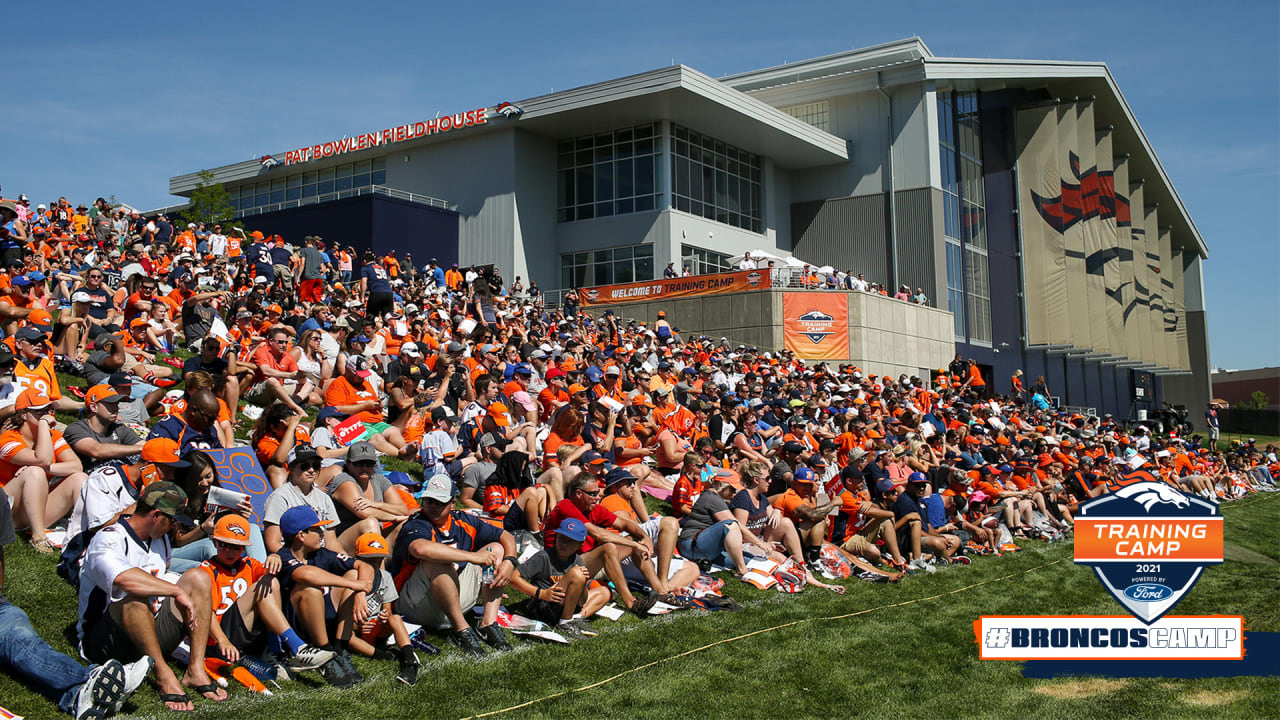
[369, 222]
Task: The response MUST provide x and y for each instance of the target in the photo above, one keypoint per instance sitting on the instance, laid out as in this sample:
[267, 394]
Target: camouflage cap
[166, 497]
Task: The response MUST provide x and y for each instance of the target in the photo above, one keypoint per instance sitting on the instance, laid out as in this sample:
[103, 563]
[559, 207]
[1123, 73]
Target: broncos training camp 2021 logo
[816, 325]
[1148, 542]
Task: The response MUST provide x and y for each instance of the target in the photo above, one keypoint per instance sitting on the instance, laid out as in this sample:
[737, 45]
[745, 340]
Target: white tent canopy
[762, 258]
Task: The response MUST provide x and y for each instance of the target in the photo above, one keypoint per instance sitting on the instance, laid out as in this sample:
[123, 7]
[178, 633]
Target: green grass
[910, 651]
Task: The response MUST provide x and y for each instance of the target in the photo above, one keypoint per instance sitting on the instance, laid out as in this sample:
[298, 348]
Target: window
[964, 215]
[816, 113]
[632, 263]
[299, 186]
[610, 173]
[703, 262]
[716, 181]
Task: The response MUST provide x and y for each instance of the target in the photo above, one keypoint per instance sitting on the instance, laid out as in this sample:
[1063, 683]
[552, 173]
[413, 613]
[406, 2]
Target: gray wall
[921, 258]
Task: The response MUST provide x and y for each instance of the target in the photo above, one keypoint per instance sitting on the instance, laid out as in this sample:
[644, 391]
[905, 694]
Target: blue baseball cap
[917, 477]
[884, 485]
[595, 374]
[804, 474]
[296, 519]
[573, 529]
[522, 369]
[328, 412]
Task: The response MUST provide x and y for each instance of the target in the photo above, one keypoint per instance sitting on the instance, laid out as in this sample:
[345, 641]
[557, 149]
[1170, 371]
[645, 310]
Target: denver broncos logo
[236, 530]
[753, 279]
[506, 109]
[1148, 495]
[1092, 195]
[268, 162]
[376, 545]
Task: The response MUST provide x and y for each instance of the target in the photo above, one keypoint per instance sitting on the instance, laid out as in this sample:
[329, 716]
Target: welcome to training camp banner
[692, 286]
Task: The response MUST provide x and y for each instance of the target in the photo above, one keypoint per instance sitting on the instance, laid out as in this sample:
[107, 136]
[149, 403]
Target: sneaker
[308, 657]
[467, 641]
[871, 577]
[100, 692]
[135, 673]
[335, 673]
[642, 606]
[352, 672]
[493, 636]
[410, 666]
[569, 630]
[961, 560]
[919, 565]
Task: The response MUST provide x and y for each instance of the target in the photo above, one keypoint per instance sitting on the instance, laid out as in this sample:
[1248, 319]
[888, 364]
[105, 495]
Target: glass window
[721, 183]
[606, 174]
[964, 214]
[699, 261]
[632, 263]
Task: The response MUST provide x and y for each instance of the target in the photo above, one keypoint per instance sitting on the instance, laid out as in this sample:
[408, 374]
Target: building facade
[1022, 196]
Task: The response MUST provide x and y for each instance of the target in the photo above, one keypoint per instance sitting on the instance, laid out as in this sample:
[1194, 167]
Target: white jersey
[114, 550]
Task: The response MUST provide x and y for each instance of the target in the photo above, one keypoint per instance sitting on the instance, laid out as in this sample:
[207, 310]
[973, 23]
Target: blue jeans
[47, 670]
[192, 554]
[709, 545]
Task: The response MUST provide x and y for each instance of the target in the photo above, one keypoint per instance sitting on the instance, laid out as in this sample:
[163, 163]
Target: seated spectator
[126, 610]
[562, 591]
[365, 499]
[40, 472]
[100, 437]
[383, 620]
[438, 561]
[194, 427]
[304, 467]
[623, 498]
[278, 377]
[274, 437]
[800, 505]
[327, 591]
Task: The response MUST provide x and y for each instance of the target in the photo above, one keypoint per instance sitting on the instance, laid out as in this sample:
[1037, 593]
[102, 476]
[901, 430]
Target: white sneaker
[308, 657]
[919, 565]
[100, 692]
[135, 673]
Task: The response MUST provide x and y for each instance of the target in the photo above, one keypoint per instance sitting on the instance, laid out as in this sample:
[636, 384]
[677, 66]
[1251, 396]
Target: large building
[1020, 195]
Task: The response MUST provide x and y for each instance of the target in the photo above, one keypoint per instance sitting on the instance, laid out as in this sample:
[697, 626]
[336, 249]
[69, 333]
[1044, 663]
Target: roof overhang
[1068, 80]
[678, 94]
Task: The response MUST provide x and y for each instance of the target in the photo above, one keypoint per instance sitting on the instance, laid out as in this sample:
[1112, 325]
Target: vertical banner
[1074, 303]
[238, 469]
[815, 325]
[1109, 258]
[1170, 324]
[1180, 312]
[1155, 304]
[1086, 169]
[1139, 317]
[1124, 252]
[1040, 215]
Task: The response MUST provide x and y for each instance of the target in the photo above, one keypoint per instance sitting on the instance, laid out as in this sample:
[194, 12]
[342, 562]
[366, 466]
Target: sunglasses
[311, 466]
[221, 545]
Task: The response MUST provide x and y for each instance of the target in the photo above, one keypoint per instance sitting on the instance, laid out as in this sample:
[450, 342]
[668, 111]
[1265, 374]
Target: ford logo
[1148, 592]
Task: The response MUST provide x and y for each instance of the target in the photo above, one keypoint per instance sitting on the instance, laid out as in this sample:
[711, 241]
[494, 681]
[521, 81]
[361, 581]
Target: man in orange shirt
[277, 374]
[799, 503]
[353, 394]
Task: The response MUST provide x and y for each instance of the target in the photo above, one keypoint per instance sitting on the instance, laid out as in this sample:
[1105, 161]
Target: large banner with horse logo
[815, 325]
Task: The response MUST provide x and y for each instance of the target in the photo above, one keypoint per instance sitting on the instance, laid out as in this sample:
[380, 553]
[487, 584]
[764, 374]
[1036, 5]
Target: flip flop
[205, 690]
[175, 698]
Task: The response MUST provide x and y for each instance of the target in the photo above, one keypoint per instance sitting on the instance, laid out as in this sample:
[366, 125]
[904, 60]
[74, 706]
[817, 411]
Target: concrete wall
[886, 336]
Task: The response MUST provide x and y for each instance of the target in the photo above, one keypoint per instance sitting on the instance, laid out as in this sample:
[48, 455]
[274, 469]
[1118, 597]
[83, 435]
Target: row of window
[817, 114]
[612, 173]
[604, 267]
[700, 261]
[715, 180]
[287, 188]
[964, 215]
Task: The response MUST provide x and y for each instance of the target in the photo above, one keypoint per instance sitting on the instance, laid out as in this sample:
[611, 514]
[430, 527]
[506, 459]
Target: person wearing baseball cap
[26, 478]
[364, 498]
[490, 447]
[383, 620]
[249, 596]
[34, 367]
[99, 437]
[122, 566]
[564, 595]
[301, 489]
[438, 540]
[351, 393]
[318, 594]
[909, 506]
[800, 504]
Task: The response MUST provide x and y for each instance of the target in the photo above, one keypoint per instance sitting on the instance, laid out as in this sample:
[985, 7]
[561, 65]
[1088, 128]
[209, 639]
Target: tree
[210, 202]
[1259, 400]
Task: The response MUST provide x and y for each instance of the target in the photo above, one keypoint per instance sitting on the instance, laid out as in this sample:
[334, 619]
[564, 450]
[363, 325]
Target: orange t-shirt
[618, 505]
[12, 443]
[684, 494]
[552, 444]
[263, 357]
[341, 392]
[229, 585]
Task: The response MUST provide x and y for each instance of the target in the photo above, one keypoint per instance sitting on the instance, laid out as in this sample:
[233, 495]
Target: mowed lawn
[878, 651]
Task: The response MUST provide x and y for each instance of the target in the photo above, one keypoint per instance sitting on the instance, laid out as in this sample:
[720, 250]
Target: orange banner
[815, 326]
[1154, 539]
[692, 286]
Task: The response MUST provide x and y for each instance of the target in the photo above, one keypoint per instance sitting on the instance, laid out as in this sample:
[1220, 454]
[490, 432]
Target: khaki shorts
[416, 604]
[260, 394]
[863, 541]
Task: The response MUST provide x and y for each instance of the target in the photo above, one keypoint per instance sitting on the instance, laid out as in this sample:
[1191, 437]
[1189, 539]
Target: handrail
[352, 192]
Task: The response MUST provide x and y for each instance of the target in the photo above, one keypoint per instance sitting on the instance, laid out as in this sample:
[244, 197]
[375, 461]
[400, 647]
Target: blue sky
[121, 98]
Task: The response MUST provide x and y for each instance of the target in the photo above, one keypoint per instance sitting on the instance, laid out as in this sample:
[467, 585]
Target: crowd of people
[574, 459]
[816, 278]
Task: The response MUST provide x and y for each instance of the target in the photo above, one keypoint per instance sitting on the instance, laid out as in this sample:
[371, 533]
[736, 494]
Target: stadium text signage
[400, 133]
[717, 284]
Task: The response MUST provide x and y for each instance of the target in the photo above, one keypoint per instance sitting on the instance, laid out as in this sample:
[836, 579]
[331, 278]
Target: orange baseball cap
[163, 451]
[232, 529]
[371, 544]
[576, 388]
[275, 309]
[41, 319]
[32, 399]
[103, 393]
[568, 366]
[641, 400]
[256, 235]
[137, 322]
[498, 413]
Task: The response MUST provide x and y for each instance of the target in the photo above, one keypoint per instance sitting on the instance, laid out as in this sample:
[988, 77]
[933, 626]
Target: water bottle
[264, 671]
[418, 638]
[487, 575]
